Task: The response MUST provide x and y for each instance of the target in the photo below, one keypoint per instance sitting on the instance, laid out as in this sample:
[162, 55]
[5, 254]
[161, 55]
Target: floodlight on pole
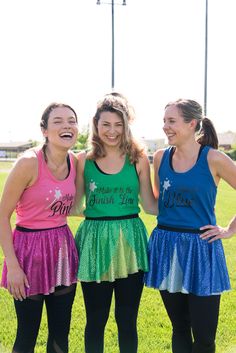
[112, 3]
[206, 57]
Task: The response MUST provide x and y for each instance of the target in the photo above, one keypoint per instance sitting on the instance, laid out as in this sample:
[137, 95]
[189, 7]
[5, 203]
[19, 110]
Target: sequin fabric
[49, 259]
[111, 249]
[183, 262]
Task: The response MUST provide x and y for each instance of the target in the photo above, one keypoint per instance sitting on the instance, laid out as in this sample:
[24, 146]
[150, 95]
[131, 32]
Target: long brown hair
[115, 103]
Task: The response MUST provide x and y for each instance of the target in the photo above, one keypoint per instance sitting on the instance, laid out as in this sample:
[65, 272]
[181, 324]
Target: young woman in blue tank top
[112, 240]
[186, 256]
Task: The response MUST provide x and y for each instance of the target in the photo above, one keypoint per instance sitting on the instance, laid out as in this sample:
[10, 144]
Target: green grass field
[153, 324]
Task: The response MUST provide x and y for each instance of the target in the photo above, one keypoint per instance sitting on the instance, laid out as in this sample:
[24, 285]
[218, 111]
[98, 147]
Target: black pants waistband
[112, 218]
[23, 229]
[180, 230]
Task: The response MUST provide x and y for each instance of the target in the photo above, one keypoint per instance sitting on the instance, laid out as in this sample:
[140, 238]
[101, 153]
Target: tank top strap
[204, 151]
[126, 164]
[166, 157]
[88, 163]
[72, 165]
[40, 158]
[202, 160]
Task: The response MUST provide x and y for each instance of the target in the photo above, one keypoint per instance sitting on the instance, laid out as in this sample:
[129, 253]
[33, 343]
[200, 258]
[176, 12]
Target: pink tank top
[48, 201]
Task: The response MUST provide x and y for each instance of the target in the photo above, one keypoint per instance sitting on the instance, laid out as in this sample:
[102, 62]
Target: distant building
[13, 149]
[153, 144]
[227, 139]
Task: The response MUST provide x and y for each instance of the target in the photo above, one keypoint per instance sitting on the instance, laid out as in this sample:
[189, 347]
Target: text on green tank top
[111, 194]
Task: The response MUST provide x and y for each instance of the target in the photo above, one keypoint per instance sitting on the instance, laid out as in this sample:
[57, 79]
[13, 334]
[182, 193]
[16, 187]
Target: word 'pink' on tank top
[48, 201]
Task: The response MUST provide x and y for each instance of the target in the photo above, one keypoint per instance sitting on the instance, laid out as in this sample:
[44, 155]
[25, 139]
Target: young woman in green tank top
[112, 240]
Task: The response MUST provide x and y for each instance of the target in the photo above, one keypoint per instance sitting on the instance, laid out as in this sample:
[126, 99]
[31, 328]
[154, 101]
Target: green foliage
[231, 154]
[4, 168]
[82, 141]
[153, 324]
[34, 143]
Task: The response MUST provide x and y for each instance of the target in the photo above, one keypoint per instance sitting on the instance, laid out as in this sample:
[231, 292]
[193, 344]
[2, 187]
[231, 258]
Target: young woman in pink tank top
[41, 259]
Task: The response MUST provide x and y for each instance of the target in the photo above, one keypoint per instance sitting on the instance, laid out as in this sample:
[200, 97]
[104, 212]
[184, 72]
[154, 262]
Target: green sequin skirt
[111, 249]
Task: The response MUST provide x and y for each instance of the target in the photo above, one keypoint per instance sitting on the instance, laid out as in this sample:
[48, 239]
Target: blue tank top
[187, 200]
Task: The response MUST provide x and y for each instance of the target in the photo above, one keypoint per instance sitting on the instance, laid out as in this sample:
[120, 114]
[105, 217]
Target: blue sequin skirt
[183, 262]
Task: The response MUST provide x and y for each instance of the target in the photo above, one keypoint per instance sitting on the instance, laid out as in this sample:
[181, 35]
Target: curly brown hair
[115, 103]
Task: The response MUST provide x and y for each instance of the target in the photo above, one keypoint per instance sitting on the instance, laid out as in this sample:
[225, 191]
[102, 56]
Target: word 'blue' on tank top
[186, 200]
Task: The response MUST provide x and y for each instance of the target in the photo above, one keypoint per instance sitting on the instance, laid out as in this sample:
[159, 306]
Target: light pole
[112, 3]
[206, 56]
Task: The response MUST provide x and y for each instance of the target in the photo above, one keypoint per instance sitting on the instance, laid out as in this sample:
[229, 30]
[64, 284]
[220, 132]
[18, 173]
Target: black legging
[97, 298]
[29, 313]
[195, 316]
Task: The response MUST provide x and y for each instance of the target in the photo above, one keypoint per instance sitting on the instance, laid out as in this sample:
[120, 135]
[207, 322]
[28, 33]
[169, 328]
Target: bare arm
[156, 165]
[19, 178]
[147, 199]
[221, 167]
[80, 187]
[157, 157]
[217, 232]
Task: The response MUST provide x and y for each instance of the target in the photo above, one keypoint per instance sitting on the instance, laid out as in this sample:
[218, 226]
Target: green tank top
[111, 195]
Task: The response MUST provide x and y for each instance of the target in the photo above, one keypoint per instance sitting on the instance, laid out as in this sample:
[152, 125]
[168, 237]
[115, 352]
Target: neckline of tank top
[101, 171]
[68, 165]
[172, 151]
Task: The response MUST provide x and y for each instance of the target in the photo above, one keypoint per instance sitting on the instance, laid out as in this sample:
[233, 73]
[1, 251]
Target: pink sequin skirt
[48, 257]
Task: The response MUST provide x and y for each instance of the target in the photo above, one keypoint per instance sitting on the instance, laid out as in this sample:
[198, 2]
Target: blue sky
[60, 50]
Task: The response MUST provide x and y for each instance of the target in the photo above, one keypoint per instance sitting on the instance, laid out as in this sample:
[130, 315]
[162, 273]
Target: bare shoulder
[82, 154]
[216, 157]
[159, 153]
[222, 166]
[157, 157]
[25, 168]
[143, 163]
[81, 158]
[27, 160]
[143, 160]
[74, 156]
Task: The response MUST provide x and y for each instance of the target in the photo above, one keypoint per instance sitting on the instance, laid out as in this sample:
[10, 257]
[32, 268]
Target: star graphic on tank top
[57, 194]
[92, 186]
[166, 185]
